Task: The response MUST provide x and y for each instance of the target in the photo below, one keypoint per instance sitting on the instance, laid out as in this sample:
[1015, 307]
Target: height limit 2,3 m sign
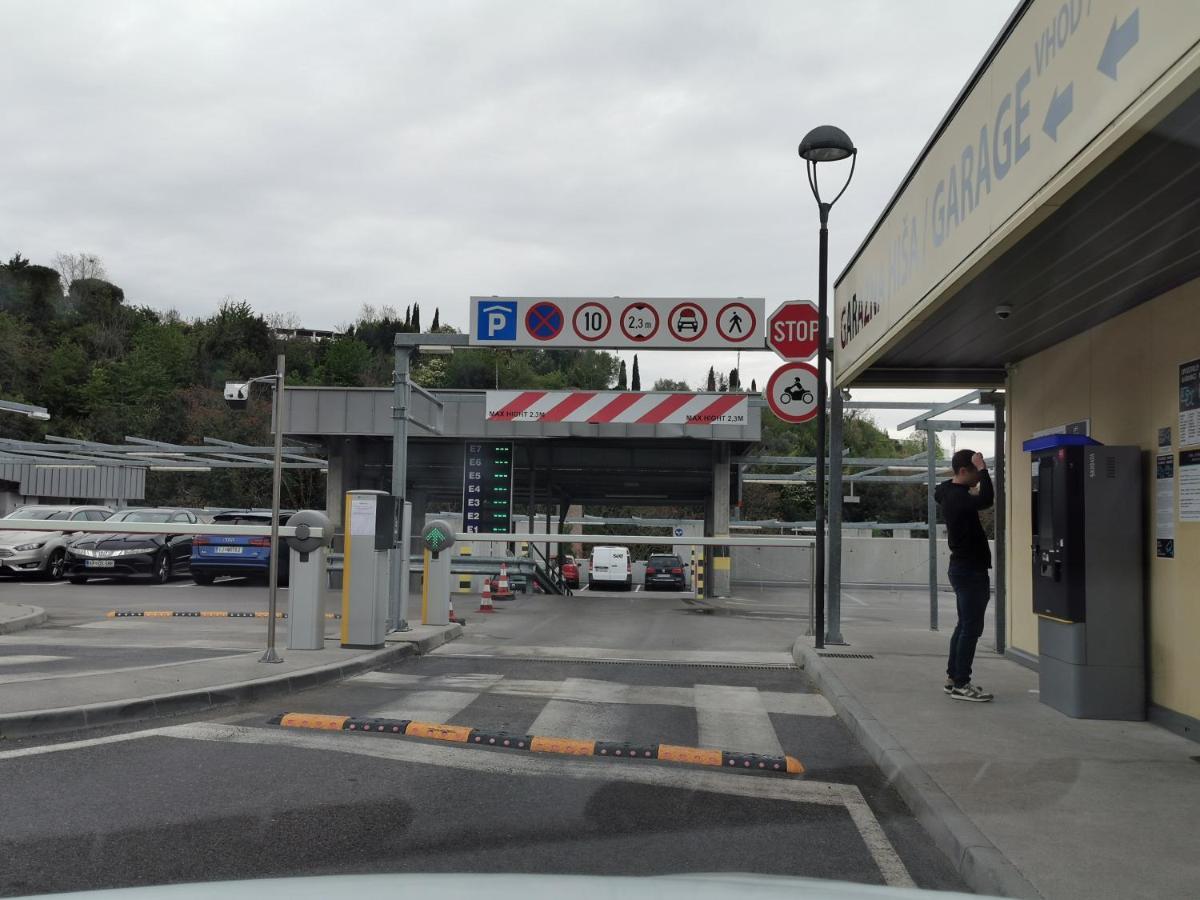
[487, 486]
[664, 323]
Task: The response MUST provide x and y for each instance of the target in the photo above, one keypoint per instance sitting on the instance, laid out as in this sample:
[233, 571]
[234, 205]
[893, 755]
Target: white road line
[84, 744]
[855, 599]
[741, 657]
[589, 691]
[734, 718]
[890, 865]
[567, 717]
[50, 676]
[393, 679]
[426, 706]
[27, 659]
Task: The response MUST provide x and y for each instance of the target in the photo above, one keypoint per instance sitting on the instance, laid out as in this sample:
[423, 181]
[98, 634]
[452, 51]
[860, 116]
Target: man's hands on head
[978, 462]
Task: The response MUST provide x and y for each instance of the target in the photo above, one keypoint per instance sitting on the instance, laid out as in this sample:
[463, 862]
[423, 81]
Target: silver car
[43, 552]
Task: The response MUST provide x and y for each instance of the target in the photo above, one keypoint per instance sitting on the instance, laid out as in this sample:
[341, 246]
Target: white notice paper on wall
[1189, 486]
[362, 514]
[1189, 403]
[1164, 506]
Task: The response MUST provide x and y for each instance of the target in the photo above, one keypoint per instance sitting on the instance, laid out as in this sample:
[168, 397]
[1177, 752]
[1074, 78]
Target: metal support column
[1000, 518]
[270, 656]
[822, 412]
[833, 607]
[398, 570]
[931, 518]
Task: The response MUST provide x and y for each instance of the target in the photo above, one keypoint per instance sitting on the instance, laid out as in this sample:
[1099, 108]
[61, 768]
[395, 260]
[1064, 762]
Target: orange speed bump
[463, 734]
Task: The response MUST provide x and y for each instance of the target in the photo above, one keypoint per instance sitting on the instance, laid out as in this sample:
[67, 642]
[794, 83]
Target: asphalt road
[211, 797]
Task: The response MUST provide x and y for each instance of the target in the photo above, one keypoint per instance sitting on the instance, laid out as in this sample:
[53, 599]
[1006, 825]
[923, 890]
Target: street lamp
[236, 395]
[825, 143]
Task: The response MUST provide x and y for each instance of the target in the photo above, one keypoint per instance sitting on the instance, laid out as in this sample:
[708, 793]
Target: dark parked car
[158, 556]
[238, 554]
[665, 571]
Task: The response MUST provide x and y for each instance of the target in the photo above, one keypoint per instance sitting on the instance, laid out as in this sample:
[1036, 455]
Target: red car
[570, 572]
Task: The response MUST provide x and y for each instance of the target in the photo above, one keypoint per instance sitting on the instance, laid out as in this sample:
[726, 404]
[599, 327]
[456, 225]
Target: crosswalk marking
[734, 718]
[427, 706]
[588, 691]
[27, 659]
[571, 718]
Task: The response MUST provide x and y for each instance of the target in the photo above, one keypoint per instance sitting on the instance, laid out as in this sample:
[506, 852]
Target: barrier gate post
[306, 594]
[438, 537]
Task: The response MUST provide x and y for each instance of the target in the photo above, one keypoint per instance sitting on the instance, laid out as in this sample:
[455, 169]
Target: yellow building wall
[1124, 376]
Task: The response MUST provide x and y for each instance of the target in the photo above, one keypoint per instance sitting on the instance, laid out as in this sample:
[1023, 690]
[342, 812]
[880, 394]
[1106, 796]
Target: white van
[610, 567]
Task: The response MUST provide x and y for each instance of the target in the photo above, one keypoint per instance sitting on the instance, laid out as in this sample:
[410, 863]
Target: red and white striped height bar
[617, 407]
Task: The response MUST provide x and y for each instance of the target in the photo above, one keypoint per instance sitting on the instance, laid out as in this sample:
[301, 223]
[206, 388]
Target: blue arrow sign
[1120, 41]
[1060, 107]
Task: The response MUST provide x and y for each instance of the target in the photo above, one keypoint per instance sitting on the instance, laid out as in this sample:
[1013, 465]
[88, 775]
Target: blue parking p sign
[496, 320]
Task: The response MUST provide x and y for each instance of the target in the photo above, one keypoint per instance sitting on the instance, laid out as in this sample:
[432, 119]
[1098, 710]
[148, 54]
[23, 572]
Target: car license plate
[229, 549]
[99, 563]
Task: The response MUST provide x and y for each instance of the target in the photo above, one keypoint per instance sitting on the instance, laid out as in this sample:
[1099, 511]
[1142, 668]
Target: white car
[610, 566]
[43, 553]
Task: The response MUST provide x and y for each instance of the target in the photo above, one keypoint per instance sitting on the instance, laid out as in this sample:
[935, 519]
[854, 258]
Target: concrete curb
[14, 617]
[977, 860]
[34, 723]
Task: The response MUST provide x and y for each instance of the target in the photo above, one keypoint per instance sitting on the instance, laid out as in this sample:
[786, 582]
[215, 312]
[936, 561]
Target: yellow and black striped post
[698, 572]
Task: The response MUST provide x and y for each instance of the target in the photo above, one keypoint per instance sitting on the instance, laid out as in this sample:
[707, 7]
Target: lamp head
[826, 143]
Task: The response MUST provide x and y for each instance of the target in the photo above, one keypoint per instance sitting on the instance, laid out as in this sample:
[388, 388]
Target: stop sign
[792, 330]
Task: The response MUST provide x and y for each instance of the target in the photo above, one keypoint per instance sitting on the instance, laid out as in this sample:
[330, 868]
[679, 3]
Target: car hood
[719, 886]
[12, 538]
[121, 541]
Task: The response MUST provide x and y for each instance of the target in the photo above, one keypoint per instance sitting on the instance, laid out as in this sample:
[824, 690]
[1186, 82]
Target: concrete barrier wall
[864, 561]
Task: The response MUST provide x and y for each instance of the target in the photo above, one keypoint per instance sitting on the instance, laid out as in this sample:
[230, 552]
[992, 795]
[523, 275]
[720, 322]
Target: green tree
[416, 318]
[753, 386]
[712, 380]
[636, 383]
[436, 324]
[670, 384]
[347, 362]
[622, 379]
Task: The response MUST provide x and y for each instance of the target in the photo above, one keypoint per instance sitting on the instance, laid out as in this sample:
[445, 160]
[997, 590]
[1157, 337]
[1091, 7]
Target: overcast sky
[311, 157]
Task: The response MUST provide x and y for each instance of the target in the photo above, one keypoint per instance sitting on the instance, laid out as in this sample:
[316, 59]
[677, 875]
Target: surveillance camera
[236, 393]
[1003, 311]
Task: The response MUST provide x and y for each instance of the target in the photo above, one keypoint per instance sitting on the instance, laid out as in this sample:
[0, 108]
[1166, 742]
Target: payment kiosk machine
[1088, 550]
[370, 535]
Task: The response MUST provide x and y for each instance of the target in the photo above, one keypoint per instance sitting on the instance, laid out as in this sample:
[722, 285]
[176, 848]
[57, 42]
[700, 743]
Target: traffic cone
[453, 617]
[485, 598]
[503, 591]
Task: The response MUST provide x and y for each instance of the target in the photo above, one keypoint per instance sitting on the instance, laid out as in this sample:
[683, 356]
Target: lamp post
[236, 395]
[825, 143]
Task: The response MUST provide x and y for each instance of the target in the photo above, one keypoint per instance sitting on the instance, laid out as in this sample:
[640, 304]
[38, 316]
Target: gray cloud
[314, 156]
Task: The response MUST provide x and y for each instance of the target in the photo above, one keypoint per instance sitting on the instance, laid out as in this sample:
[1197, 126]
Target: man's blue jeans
[973, 589]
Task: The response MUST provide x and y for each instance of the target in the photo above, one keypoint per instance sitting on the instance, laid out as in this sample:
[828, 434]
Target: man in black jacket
[970, 560]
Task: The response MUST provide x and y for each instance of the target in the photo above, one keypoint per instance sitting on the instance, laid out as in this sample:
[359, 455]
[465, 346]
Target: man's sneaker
[948, 686]
[972, 692]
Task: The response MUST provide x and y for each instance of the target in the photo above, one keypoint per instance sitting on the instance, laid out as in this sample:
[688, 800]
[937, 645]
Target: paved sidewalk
[18, 617]
[38, 695]
[1025, 801]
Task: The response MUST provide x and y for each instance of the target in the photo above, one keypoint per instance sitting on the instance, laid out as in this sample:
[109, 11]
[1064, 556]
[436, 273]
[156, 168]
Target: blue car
[240, 555]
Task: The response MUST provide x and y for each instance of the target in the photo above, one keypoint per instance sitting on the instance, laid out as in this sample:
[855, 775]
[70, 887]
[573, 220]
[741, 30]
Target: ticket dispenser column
[1088, 576]
[370, 533]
